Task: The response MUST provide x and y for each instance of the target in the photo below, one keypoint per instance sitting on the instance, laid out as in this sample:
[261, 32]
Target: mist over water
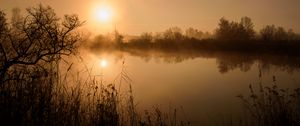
[205, 83]
[53, 72]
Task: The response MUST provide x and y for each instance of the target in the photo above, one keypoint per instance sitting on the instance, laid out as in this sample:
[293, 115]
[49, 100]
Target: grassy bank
[37, 97]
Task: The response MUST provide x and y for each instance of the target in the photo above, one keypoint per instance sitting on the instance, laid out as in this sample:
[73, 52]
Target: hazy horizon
[57, 68]
[133, 17]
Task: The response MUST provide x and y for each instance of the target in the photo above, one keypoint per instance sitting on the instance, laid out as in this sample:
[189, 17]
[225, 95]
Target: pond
[202, 85]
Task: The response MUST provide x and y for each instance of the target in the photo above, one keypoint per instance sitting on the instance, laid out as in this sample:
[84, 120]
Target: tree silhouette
[3, 30]
[232, 31]
[173, 33]
[224, 28]
[194, 33]
[3, 25]
[118, 38]
[39, 37]
[292, 36]
[146, 37]
[247, 28]
[281, 34]
[268, 32]
[273, 33]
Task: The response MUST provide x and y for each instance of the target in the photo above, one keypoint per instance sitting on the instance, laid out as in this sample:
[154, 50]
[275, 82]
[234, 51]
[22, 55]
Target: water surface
[204, 83]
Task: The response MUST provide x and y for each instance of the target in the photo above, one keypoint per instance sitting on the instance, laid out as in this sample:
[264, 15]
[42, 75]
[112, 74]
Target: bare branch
[40, 37]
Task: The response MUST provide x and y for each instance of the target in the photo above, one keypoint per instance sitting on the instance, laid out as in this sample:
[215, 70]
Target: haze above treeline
[237, 36]
[134, 17]
[227, 30]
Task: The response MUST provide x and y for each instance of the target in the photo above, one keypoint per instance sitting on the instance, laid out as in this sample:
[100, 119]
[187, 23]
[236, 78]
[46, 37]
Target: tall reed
[271, 105]
[34, 96]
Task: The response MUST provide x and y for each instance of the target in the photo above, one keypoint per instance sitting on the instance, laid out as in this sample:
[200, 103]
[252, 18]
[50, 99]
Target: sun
[103, 14]
[103, 63]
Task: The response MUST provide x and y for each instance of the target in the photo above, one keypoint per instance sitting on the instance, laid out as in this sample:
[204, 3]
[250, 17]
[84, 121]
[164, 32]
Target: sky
[133, 17]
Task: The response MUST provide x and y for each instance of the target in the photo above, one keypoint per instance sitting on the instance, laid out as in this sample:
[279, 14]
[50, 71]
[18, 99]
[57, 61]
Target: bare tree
[273, 33]
[173, 33]
[194, 33]
[16, 19]
[292, 36]
[268, 32]
[38, 37]
[223, 30]
[247, 28]
[146, 37]
[281, 34]
[3, 25]
[243, 30]
[3, 30]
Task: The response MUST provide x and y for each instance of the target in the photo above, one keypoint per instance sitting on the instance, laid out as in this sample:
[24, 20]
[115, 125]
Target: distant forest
[229, 35]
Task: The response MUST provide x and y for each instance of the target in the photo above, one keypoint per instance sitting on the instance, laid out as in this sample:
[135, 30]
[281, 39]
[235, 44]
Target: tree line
[229, 35]
[244, 30]
[227, 31]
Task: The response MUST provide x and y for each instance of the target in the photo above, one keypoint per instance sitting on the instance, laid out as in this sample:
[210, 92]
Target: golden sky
[137, 16]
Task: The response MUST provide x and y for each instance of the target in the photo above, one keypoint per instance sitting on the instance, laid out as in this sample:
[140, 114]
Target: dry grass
[46, 97]
[272, 106]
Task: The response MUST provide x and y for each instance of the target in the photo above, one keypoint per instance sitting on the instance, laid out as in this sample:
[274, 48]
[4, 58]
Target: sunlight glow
[103, 63]
[103, 14]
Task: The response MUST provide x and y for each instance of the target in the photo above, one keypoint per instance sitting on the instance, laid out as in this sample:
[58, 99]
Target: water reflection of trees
[226, 61]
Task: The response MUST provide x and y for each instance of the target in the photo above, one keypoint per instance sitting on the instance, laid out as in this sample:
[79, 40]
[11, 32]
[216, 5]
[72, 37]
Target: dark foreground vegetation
[35, 90]
[271, 105]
